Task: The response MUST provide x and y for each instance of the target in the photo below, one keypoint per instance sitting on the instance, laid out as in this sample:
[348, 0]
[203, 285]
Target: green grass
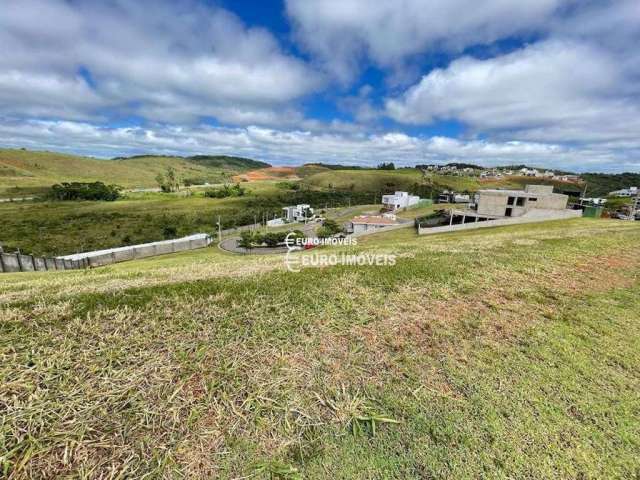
[498, 353]
[24, 172]
[56, 228]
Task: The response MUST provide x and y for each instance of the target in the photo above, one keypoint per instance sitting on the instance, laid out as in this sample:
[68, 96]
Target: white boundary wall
[123, 254]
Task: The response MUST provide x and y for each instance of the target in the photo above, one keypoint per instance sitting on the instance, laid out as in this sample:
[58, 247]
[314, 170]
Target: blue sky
[552, 83]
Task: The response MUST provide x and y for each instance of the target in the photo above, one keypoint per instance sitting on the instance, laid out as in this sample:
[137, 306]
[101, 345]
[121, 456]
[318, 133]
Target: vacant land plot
[509, 352]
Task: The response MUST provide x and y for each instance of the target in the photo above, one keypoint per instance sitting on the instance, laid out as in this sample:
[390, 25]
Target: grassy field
[502, 353]
[56, 228]
[24, 172]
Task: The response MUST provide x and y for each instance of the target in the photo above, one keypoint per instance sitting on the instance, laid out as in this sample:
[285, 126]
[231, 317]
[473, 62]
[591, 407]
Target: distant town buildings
[497, 172]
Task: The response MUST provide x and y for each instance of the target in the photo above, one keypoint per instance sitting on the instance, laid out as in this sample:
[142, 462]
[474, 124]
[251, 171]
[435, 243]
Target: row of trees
[84, 191]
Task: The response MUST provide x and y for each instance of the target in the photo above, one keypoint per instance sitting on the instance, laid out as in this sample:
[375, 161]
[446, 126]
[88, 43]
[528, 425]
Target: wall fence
[15, 262]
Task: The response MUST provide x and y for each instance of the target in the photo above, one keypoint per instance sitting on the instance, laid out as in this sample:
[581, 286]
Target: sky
[548, 83]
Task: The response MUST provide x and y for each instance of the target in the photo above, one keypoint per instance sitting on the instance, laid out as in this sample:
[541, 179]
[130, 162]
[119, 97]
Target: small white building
[297, 213]
[399, 200]
[625, 192]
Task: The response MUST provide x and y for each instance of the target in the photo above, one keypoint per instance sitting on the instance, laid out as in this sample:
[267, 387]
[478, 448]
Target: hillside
[414, 181]
[23, 172]
[209, 365]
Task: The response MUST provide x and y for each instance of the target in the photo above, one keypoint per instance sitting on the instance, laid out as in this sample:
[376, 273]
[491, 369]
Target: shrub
[84, 191]
[226, 191]
[329, 228]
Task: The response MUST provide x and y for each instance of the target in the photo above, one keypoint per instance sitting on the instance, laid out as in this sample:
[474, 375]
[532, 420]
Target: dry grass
[209, 365]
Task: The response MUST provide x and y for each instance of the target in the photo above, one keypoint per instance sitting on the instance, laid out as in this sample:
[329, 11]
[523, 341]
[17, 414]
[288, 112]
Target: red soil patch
[271, 173]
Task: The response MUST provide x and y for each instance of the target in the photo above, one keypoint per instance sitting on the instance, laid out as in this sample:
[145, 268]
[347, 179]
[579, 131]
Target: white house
[625, 192]
[399, 200]
[297, 213]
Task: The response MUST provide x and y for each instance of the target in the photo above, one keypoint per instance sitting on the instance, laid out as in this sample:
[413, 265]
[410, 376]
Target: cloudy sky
[552, 83]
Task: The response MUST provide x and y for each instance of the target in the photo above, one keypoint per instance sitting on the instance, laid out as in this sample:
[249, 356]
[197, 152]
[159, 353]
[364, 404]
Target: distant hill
[214, 161]
[24, 172]
[600, 184]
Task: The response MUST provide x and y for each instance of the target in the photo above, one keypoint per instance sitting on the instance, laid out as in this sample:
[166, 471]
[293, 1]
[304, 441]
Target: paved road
[231, 244]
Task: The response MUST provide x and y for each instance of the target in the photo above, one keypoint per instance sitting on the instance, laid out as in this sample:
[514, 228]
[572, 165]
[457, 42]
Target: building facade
[515, 203]
[399, 200]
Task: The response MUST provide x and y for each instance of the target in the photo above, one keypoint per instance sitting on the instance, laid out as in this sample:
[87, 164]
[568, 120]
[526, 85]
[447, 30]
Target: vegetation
[168, 182]
[250, 238]
[386, 166]
[600, 184]
[329, 228]
[209, 365]
[225, 191]
[24, 172]
[84, 191]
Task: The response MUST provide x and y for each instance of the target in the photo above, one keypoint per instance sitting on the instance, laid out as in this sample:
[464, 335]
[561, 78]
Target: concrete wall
[540, 216]
[492, 203]
[495, 203]
[384, 229]
[40, 264]
[123, 254]
[14, 262]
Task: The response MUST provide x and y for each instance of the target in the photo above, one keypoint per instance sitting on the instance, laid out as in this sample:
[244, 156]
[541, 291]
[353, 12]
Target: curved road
[231, 244]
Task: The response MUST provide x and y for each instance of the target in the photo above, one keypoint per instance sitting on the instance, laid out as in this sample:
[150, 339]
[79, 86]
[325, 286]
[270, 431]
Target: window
[507, 213]
[511, 200]
[533, 199]
[520, 202]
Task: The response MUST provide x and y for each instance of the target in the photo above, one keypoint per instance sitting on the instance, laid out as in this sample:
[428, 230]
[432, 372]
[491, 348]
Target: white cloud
[153, 58]
[341, 32]
[555, 90]
[299, 146]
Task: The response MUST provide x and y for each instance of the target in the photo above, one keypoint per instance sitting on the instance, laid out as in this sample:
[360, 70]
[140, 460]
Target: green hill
[24, 172]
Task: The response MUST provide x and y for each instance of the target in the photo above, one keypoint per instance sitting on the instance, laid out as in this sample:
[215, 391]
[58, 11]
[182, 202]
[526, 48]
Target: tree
[246, 240]
[84, 191]
[168, 182]
[329, 228]
[386, 166]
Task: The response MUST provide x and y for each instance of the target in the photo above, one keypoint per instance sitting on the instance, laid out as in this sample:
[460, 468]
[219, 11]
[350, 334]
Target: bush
[84, 191]
[328, 229]
[226, 191]
[249, 239]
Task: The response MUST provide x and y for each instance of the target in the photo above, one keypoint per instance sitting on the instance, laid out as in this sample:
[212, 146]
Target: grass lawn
[502, 353]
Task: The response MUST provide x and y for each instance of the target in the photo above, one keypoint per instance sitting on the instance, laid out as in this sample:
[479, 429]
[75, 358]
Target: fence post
[1, 262]
[19, 262]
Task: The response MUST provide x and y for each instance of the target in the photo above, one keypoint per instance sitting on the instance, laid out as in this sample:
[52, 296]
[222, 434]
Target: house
[515, 203]
[367, 223]
[625, 192]
[297, 213]
[536, 203]
[453, 197]
[399, 200]
[529, 172]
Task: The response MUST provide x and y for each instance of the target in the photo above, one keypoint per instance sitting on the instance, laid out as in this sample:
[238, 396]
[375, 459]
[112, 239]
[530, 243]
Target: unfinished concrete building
[504, 207]
[515, 203]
